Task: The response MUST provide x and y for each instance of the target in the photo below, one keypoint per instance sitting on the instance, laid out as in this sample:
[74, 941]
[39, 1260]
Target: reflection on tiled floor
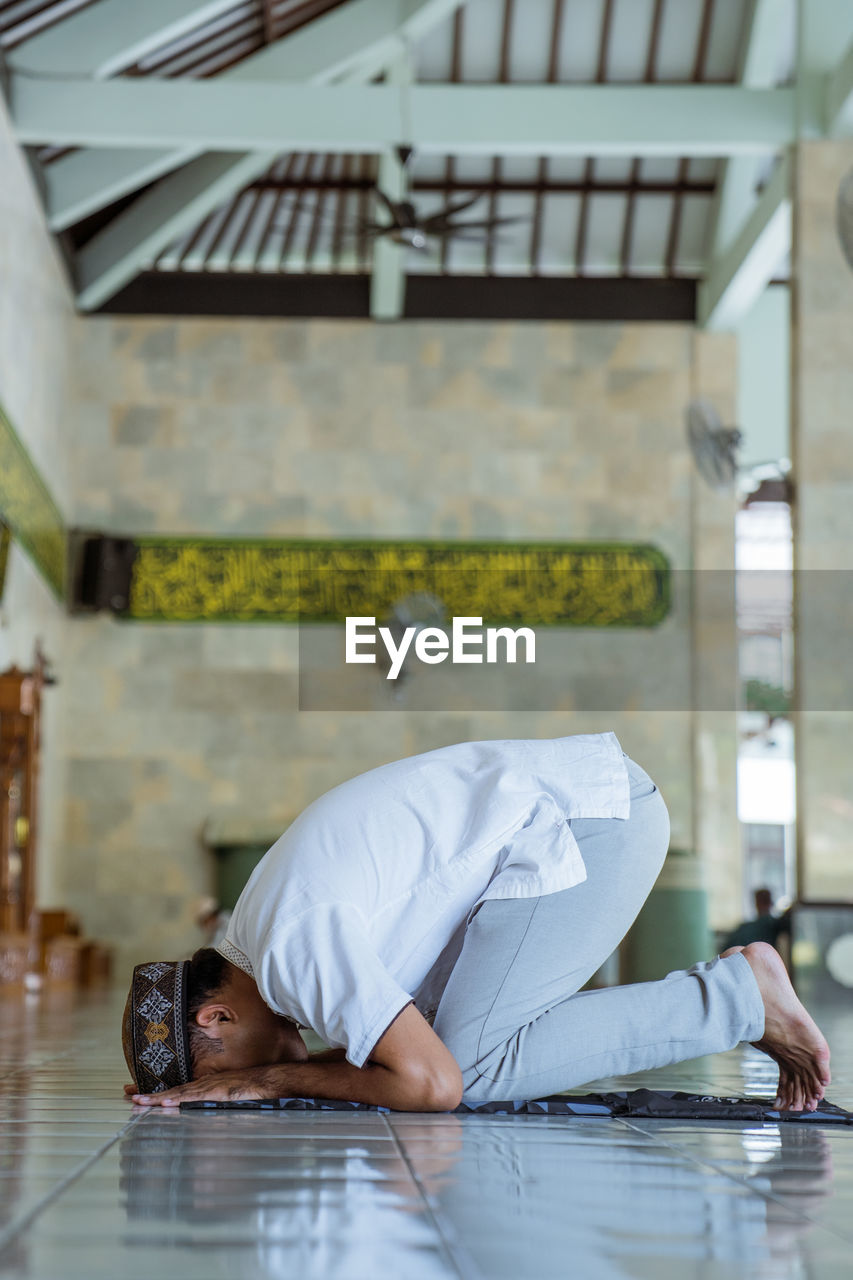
[88, 1188]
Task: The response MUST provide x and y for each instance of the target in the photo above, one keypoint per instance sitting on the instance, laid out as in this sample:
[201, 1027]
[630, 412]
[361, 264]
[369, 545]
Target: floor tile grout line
[731, 1177]
[19, 1224]
[467, 1269]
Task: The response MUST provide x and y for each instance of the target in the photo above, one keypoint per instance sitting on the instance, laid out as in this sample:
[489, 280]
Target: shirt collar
[229, 952]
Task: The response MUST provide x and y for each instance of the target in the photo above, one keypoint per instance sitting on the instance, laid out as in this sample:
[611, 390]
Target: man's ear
[213, 1017]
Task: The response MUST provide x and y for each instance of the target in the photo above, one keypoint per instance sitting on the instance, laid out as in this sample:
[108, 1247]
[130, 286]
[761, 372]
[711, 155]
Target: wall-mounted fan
[407, 227]
[714, 447]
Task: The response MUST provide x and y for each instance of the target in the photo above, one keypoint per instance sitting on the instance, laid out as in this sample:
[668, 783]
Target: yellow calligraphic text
[531, 584]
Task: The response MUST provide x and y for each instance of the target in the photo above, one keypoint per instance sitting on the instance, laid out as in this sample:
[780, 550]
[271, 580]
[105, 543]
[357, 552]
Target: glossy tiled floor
[88, 1188]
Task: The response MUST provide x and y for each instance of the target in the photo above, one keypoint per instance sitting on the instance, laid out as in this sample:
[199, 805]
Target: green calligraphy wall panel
[532, 584]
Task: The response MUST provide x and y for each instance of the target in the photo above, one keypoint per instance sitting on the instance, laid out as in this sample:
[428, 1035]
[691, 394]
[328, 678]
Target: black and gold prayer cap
[154, 1031]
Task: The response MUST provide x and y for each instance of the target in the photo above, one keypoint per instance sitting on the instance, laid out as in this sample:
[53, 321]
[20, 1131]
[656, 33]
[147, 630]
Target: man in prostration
[433, 921]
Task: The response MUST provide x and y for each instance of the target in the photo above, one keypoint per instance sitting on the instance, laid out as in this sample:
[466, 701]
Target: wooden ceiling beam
[452, 185]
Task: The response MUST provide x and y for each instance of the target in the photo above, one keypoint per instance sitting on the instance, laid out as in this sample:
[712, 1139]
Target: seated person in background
[433, 921]
[765, 927]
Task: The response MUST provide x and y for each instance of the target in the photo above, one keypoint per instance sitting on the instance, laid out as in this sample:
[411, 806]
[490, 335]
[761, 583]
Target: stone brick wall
[500, 431]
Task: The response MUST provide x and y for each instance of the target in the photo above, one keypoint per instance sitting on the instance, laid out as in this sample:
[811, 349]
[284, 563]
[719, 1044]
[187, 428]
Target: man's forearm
[328, 1055]
[339, 1079]
[373, 1083]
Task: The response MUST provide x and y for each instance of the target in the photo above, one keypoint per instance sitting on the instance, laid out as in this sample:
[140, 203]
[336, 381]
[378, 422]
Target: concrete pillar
[699, 887]
[822, 456]
[716, 831]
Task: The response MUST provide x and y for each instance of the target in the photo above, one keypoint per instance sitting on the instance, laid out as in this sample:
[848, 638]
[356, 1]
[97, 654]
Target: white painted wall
[36, 316]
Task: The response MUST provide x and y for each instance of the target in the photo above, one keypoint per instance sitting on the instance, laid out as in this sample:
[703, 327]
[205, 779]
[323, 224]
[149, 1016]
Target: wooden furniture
[64, 961]
[32, 941]
[47, 924]
[20, 738]
[97, 964]
[14, 960]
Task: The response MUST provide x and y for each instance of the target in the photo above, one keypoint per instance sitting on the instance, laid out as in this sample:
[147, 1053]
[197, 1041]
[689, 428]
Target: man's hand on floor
[224, 1086]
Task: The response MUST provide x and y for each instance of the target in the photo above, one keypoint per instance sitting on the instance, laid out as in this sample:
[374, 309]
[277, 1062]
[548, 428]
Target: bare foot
[791, 1036]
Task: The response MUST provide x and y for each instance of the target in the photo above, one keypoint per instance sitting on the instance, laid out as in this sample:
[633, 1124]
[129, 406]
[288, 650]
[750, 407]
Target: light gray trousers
[513, 1014]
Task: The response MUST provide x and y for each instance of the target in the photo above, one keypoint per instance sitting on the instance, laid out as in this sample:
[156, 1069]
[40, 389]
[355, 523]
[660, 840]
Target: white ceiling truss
[222, 109]
[558, 120]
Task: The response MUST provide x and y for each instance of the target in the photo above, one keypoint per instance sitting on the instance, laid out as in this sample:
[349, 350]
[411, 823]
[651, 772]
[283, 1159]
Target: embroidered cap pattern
[154, 1033]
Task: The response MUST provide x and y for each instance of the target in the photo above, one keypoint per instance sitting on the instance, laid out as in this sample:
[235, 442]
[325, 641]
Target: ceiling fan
[410, 229]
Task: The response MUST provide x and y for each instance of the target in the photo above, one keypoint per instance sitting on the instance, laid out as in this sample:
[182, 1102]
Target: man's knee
[470, 1079]
[481, 1073]
[485, 1083]
[464, 1048]
[464, 1051]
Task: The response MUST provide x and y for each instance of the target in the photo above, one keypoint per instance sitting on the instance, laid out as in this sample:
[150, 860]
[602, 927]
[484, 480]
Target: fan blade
[474, 238]
[386, 200]
[714, 446]
[486, 224]
[844, 217]
[702, 420]
[717, 464]
[396, 208]
[449, 210]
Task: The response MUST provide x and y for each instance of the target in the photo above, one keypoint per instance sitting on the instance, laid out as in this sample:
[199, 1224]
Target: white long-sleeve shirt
[361, 906]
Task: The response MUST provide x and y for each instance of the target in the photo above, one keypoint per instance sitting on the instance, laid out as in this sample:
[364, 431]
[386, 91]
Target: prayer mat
[649, 1104]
